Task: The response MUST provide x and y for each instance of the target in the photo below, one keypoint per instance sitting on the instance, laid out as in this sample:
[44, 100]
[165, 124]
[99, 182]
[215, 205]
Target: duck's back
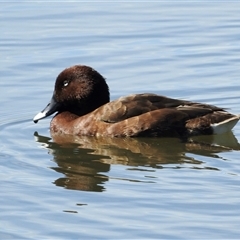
[154, 115]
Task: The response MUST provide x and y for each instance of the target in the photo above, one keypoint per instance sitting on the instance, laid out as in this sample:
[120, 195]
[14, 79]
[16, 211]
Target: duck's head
[78, 89]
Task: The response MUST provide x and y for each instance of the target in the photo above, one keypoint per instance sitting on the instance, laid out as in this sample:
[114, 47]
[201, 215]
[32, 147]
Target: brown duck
[81, 100]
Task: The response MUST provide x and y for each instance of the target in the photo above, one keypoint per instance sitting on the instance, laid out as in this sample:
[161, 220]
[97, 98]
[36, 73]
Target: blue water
[118, 188]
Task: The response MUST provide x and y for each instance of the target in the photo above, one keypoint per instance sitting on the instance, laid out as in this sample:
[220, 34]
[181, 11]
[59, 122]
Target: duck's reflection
[84, 160]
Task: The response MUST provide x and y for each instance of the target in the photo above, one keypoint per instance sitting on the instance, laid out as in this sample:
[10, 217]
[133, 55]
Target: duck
[81, 101]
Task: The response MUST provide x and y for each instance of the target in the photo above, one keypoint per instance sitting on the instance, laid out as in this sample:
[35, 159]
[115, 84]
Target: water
[118, 188]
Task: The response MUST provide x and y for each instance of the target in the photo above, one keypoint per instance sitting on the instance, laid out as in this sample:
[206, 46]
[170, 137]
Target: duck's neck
[61, 121]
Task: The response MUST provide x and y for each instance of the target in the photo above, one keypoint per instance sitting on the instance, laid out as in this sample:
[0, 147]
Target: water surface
[118, 188]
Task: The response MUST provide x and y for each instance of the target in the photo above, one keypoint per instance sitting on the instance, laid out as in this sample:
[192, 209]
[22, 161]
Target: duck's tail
[226, 125]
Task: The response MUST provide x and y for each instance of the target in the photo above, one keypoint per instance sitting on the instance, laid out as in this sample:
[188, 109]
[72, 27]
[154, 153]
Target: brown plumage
[81, 100]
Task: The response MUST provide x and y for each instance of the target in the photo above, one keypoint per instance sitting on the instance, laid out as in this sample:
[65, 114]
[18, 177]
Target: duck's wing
[153, 115]
[134, 105]
[137, 104]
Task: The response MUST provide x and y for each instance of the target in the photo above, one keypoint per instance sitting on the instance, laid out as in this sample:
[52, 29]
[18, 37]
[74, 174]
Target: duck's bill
[51, 108]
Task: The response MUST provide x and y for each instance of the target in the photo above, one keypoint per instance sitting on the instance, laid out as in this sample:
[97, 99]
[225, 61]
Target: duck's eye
[65, 83]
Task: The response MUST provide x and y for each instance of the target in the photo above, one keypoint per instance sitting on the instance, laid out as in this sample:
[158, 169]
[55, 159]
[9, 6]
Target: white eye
[65, 83]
